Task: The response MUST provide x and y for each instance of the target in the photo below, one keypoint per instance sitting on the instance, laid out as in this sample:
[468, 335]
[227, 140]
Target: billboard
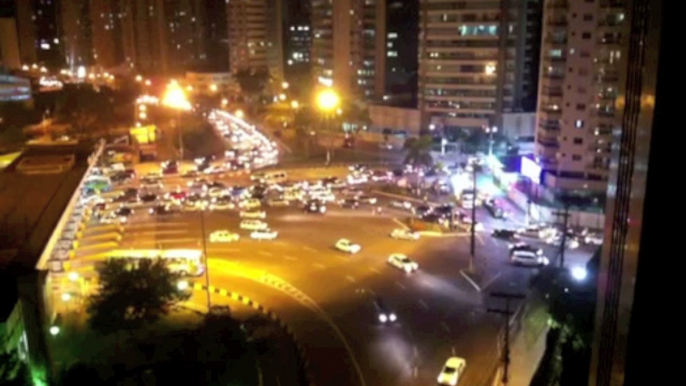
[530, 169]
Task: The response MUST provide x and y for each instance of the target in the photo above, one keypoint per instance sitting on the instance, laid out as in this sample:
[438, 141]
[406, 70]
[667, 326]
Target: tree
[132, 295]
[87, 110]
[13, 372]
[418, 150]
[252, 82]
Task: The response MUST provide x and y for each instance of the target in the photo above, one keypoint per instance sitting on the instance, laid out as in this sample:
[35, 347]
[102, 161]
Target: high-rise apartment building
[256, 36]
[76, 33]
[402, 31]
[9, 44]
[40, 40]
[578, 85]
[298, 44]
[144, 35]
[106, 32]
[632, 277]
[217, 35]
[349, 46]
[475, 61]
[184, 34]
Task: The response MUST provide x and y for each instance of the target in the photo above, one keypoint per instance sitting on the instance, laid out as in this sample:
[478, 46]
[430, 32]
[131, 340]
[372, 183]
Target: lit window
[392, 35]
[392, 54]
[579, 123]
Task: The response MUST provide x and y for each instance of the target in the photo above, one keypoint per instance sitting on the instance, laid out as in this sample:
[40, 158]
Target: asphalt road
[325, 295]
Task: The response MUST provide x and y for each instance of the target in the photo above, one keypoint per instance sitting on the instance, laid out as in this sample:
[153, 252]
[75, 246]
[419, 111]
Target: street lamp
[284, 85]
[139, 78]
[213, 87]
[175, 99]
[295, 105]
[490, 131]
[579, 273]
[282, 97]
[328, 102]
[239, 114]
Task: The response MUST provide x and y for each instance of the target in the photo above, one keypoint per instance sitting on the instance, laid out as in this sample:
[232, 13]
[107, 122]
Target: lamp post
[328, 102]
[490, 131]
[207, 263]
[175, 98]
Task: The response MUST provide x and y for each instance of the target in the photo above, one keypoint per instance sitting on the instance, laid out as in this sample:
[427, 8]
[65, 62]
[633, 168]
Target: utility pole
[472, 239]
[507, 313]
[563, 244]
[207, 265]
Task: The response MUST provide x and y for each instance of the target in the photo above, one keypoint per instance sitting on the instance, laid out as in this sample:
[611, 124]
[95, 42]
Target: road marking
[402, 224]
[265, 253]
[320, 266]
[222, 249]
[158, 233]
[376, 271]
[401, 286]
[493, 279]
[309, 249]
[415, 371]
[452, 350]
[350, 279]
[291, 258]
[445, 327]
[423, 304]
[480, 239]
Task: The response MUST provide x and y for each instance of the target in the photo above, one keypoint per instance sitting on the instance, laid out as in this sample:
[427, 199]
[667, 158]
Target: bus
[185, 262]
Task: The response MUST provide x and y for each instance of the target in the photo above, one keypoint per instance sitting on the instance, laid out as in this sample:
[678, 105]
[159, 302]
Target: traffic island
[479, 279]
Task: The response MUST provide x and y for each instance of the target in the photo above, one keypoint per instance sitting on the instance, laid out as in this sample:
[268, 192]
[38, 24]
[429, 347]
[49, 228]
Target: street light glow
[490, 69]
[295, 104]
[54, 330]
[175, 98]
[139, 78]
[73, 276]
[284, 85]
[213, 87]
[66, 297]
[282, 97]
[239, 114]
[328, 100]
[182, 285]
[579, 273]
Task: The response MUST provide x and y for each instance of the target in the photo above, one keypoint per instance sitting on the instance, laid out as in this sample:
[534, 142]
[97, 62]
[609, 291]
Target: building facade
[256, 36]
[580, 55]
[9, 44]
[39, 30]
[475, 61]
[349, 46]
[76, 33]
[402, 31]
[217, 35]
[298, 45]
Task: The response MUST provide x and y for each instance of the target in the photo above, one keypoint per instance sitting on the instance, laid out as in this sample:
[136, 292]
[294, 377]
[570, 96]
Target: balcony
[552, 92]
[552, 125]
[557, 4]
[556, 22]
[555, 59]
[548, 142]
[548, 113]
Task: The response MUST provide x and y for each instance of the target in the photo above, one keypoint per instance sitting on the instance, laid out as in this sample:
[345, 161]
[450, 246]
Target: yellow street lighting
[175, 98]
[339, 111]
[182, 285]
[239, 114]
[73, 276]
[282, 97]
[295, 105]
[225, 102]
[148, 82]
[490, 69]
[284, 85]
[213, 87]
[143, 115]
[139, 78]
[142, 107]
[328, 100]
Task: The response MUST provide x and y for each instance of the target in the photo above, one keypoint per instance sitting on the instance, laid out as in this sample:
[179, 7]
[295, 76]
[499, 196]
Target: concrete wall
[394, 118]
[541, 213]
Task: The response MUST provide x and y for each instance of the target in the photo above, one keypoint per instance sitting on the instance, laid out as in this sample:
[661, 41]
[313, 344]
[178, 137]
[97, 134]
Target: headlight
[383, 318]
[408, 268]
[393, 318]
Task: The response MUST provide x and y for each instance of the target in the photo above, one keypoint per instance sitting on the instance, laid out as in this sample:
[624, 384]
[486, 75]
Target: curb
[469, 279]
[263, 310]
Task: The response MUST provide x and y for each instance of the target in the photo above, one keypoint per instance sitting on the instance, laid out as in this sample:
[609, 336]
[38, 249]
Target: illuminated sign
[145, 134]
[531, 170]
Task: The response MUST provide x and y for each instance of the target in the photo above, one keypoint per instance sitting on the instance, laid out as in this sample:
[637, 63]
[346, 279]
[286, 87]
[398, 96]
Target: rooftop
[35, 189]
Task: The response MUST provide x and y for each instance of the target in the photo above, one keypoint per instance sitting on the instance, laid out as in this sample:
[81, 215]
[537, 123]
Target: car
[264, 234]
[190, 174]
[221, 203]
[528, 258]
[161, 210]
[572, 242]
[367, 199]
[253, 225]
[251, 203]
[383, 314]
[506, 234]
[533, 231]
[277, 202]
[593, 239]
[494, 209]
[110, 218]
[357, 168]
[422, 210]
[402, 262]
[333, 182]
[385, 146]
[292, 196]
[148, 197]
[215, 192]
[346, 245]
[404, 234]
[356, 178]
[123, 212]
[253, 214]
[400, 204]
[350, 203]
[314, 206]
[220, 310]
[223, 236]
[452, 371]
[521, 246]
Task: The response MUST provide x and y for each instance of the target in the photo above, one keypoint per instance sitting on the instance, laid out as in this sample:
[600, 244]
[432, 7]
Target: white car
[253, 225]
[357, 179]
[264, 234]
[222, 205]
[452, 371]
[277, 202]
[216, 192]
[251, 203]
[402, 262]
[223, 236]
[253, 214]
[346, 245]
[404, 234]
